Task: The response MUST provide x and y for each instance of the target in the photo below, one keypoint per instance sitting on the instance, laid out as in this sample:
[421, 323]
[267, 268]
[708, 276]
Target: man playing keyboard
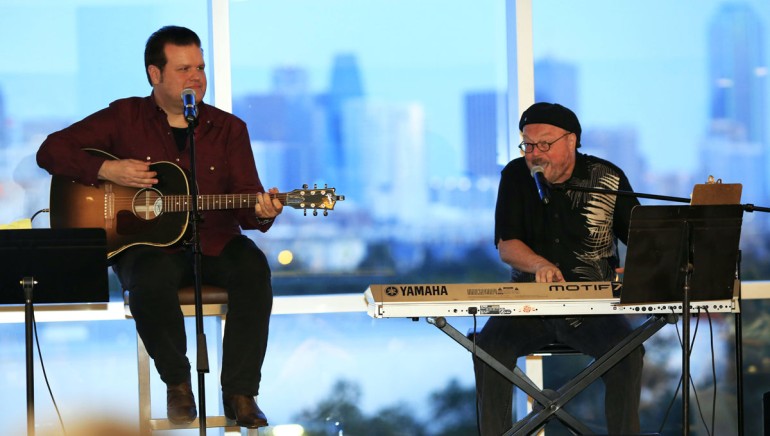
[554, 236]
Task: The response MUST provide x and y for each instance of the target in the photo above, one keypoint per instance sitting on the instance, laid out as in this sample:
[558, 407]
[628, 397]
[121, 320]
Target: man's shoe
[244, 411]
[180, 403]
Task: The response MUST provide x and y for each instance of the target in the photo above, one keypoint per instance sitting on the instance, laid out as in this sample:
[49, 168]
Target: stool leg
[533, 367]
[237, 431]
[145, 406]
[534, 370]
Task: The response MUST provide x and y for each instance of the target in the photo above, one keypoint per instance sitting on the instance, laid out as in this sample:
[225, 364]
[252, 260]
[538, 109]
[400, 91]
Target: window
[673, 92]
[400, 107]
[670, 100]
[81, 56]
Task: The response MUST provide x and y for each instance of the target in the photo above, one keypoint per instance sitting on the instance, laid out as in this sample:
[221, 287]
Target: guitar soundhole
[148, 204]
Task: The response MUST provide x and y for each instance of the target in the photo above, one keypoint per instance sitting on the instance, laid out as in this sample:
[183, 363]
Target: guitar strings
[205, 200]
[205, 197]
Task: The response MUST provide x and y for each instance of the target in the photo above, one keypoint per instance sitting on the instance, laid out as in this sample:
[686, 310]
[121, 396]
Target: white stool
[214, 302]
[533, 367]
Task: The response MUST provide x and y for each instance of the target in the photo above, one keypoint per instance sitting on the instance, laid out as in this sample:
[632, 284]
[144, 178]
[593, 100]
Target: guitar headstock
[316, 198]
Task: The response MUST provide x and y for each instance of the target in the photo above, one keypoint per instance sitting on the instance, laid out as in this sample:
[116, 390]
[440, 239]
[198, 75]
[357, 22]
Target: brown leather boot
[180, 403]
[244, 411]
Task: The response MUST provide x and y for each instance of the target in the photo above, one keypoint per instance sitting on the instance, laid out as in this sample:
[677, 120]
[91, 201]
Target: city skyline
[297, 126]
[631, 75]
[554, 74]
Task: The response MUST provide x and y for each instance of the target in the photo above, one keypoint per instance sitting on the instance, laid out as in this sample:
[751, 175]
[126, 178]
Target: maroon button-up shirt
[136, 128]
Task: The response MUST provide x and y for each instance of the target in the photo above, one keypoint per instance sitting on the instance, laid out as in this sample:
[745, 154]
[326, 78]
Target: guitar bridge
[109, 206]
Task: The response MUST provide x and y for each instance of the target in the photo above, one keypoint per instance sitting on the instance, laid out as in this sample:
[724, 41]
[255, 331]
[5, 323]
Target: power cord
[713, 374]
[691, 381]
[46, 210]
[39, 351]
[679, 384]
[45, 375]
[473, 311]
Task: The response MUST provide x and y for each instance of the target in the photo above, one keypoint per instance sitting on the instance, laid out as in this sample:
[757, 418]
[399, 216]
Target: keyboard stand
[552, 402]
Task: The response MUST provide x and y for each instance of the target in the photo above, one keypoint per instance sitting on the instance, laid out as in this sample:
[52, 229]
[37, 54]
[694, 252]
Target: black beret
[553, 114]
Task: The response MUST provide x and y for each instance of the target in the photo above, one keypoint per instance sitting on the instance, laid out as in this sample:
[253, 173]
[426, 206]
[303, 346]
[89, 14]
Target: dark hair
[154, 53]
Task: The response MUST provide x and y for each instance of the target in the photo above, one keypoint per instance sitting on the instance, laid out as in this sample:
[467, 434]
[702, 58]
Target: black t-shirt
[180, 137]
[577, 231]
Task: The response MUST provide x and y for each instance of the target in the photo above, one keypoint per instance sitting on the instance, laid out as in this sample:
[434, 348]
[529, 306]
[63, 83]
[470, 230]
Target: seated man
[140, 131]
[572, 237]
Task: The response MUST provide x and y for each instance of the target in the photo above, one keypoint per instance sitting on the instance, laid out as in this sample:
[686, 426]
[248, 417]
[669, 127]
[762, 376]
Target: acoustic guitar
[158, 215]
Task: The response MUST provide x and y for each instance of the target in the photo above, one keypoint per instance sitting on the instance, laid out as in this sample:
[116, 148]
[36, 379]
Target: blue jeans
[510, 337]
[153, 276]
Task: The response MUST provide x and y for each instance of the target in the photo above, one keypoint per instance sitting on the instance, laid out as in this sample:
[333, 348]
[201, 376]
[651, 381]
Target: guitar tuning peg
[304, 186]
[326, 213]
[315, 185]
[304, 212]
[315, 212]
[326, 186]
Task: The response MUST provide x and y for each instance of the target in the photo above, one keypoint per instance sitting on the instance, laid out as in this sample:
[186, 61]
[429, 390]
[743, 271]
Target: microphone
[543, 188]
[190, 110]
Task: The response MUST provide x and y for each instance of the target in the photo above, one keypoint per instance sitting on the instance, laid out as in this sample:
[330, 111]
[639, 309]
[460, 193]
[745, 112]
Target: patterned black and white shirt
[577, 231]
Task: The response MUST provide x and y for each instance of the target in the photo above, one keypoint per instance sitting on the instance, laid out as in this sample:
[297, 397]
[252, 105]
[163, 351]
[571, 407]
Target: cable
[691, 381]
[681, 377]
[472, 311]
[39, 212]
[713, 374]
[700, 410]
[45, 375]
[670, 406]
[678, 385]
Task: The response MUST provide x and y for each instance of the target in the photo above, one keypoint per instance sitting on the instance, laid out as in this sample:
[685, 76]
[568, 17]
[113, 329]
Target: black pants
[508, 338]
[153, 276]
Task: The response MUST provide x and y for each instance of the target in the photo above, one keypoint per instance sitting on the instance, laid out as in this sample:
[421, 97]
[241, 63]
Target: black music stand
[50, 266]
[673, 250]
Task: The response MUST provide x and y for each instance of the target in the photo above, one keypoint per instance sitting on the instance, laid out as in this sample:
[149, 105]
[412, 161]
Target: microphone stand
[564, 188]
[28, 283]
[688, 270]
[201, 349]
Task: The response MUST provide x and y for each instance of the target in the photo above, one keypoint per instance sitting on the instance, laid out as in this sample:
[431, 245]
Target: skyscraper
[738, 72]
[346, 84]
[386, 170]
[557, 82]
[736, 147]
[486, 132]
[620, 145]
[288, 121]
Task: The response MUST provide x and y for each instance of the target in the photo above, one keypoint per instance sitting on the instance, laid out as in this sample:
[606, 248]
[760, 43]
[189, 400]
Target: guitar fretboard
[183, 203]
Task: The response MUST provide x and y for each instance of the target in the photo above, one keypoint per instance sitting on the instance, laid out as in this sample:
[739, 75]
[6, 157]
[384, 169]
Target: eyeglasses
[528, 147]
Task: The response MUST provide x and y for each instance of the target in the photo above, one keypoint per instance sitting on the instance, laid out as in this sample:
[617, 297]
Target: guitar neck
[183, 203]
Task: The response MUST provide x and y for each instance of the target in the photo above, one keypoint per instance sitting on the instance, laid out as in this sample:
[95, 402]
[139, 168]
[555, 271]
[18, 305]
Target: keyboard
[516, 299]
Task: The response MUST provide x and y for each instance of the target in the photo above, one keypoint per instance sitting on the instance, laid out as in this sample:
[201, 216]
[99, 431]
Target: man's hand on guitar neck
[268, 208]
[128, 172]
